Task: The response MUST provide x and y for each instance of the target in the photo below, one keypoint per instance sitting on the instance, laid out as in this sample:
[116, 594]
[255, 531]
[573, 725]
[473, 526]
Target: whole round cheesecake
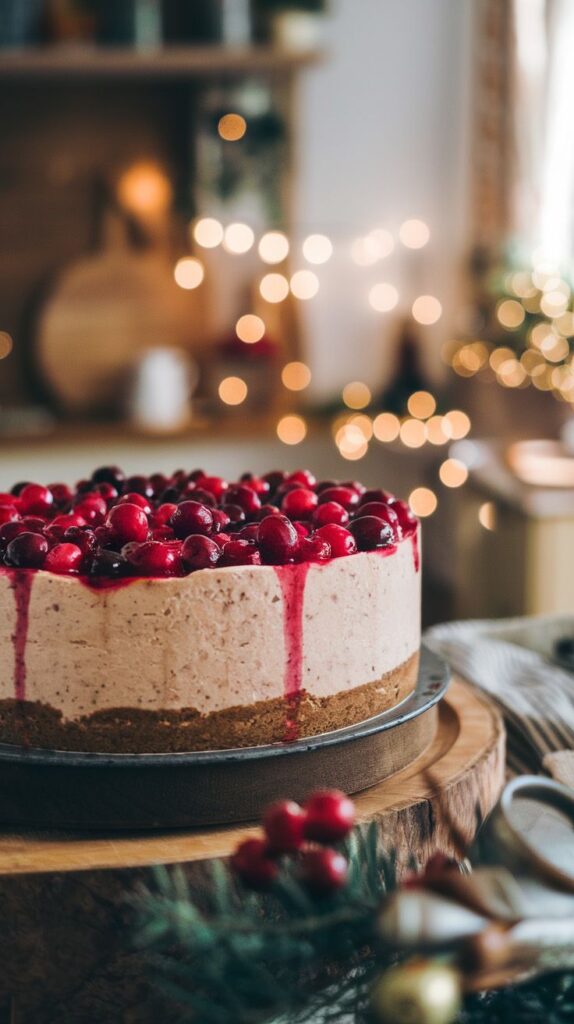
[152, 614]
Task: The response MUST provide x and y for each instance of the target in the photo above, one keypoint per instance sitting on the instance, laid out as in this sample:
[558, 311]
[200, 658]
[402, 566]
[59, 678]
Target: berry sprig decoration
[303, 834]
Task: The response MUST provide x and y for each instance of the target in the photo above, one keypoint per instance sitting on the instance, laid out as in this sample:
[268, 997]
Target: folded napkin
[511, 660]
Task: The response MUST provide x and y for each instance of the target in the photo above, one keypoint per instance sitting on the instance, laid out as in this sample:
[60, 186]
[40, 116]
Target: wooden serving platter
[65, 943]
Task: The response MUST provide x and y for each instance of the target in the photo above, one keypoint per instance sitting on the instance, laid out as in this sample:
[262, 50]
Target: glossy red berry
[249, 532]
[345, 496]
[191, 517]
[278, 540]
[245, 497]
[330, 512]
[376, 494]
[36, 500]
[314, 549]
[371, 532]
[407, 519]
[330, 816]
[84, 539]
[323, 872]
[8, 514]
[339, 539]
[133, 498]
[65, 559]
[109, 475]
[108, 564]
[252, 862]
[163, 514]
[385, 512]
[220, 520]
[299, 504]
[221, 539]
[256, 483]
[67, 520]
[34, 524]
[62, 494]
[234, 513]
[240, 552]
[153, 558]
[200, 552]
[266, 510]
[8, 531]
[126, 523]
[284, 824]
[139, 484]
[93, 509]
[303, 529]
[216, 485]
[27, 551]
[275, 478]
[302, 476]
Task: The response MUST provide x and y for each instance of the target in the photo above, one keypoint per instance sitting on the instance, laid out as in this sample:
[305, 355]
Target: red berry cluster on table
[302, 833]
[116, 526]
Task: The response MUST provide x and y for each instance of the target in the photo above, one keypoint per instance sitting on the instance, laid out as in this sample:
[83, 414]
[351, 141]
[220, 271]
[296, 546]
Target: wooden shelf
[201, 62]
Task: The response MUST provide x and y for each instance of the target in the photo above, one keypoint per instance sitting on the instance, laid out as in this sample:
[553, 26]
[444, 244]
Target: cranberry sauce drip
[292, 581]
[21, 586]
[111, 528]
[416, 552]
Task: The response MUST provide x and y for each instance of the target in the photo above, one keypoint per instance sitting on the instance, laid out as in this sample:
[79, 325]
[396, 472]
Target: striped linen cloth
[511, 660]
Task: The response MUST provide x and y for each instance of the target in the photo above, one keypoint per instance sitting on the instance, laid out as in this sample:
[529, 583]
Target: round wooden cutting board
[66, 934]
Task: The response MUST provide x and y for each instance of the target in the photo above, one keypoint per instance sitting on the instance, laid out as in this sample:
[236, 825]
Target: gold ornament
[417, 992]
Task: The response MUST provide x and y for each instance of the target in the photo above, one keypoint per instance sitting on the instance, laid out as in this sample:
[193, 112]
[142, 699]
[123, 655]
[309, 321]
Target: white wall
[384, 128]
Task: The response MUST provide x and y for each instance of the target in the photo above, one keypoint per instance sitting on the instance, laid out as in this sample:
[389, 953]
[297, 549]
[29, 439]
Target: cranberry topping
[133, 498]
[299, 504]
[243, 496]
[108, 563]
[339, 539]
[216, 486]
[250, 532]
[372, 532]
[314, 549]
[200, 552]
[92, 509]
[8, 514]
[274, 479]
[36, 500]
[153, 558]
[407, 519]
[198, 494]
[191, 517]
[64, 559]
[240, 552]
[220, 520]
[140, 484]
[330, 512]
[109, 475]
[278, 540]
[302, 476]
[343, 495]
[127, 522]
[68, 519]
[84, 539]
[8, 531]
[375, 495]
[264, 511]
[62, 494]
[235, 514]
[27, 551]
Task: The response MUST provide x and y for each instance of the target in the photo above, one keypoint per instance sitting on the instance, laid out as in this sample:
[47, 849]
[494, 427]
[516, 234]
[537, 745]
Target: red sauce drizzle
[414, 537]
[292, 581]
[21, 585]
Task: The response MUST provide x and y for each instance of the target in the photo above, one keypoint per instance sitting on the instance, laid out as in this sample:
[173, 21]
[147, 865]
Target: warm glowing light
[188, 272]
[232, 390]
[295, 376]
[208, 232]
[413, 433]
[250, 328]
[273, 247]
[421, 405]
[553, 303]
[291, 429]
[351, 440]
[238, 238]
[372, 247]
[363, 423]
[436, 432]
[554, 348]
[487, 515]
[453, 473]
[565, 324]
[511, 373]
[383, 297]
[317, 249]
[426, 310]
[423, 501]
[353, 453]
[144, 189]
[522, 286]
[386, 427]
[232, 127]
[304, 284]
[456, 424]
[498, 357]
[414, 233]
[274, 287]
[382, 240]
[510, 314]
[356, 395]
[6, 344]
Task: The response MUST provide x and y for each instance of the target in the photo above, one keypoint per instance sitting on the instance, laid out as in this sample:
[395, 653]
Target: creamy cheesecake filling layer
[215, 640]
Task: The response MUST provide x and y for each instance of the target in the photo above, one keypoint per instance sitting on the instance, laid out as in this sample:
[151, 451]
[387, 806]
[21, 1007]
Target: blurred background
[253, 233]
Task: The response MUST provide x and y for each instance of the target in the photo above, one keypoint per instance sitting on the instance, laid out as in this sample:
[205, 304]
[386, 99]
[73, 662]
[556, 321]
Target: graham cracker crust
[131, 730]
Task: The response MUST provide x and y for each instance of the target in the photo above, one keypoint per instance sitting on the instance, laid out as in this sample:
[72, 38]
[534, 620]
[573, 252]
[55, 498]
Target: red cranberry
[302, 529]
[194, 476]
[287, 487]
[191, 517]
[283, 823]
[275, 478]
[163, 514]
[278, 540]
[153, 558]
[220, 520]
[159, 482]
[8, 514]
[235, 513]
[109, 475]
[68, 519]
[34, 524]
[216, 486]
[375, 495]
[161, 533]
[127, 522]
[8, 531]
[250, 532]
[266, 510]
[27, 551]
[36, 500]
[92, 509]
[314, 549]
[325, 485]
[302, 476]
[64, 559]
[171, 495]
[299, 504]
[221, 539]
[407, 519]
[340, 540]
[139, 484]
[17, 489]
[200, 552]
[105, 536]
[198, 494]
[240, 552]
[133, 498]
[257, 484]
[323, 871]
[371, 532]
[84, 539]
[385, 512]
[330, 816]
[243, 496]
[343, 495]
[62, 494]
[355, 485]
[108, 564]
[252, 862]
[107, 491]
[330, 512]
[84, 486]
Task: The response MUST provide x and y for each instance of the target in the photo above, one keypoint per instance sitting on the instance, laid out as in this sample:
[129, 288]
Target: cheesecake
[184, 613]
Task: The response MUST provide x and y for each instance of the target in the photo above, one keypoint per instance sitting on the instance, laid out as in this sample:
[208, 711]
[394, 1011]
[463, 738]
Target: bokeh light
[510, 314]
[487, 515]
[291, 429]
[383, 297]
[232, 390]
[453, 473]
[414, 233]
[456, 424]
[250, 328]
[317, 249]
[144, 189]
[356, 394]
[232, 127]
[238, 238]
[426, 310]
[6, 344]
[273, 247]
[386, 427]
[304, 284]
[208, 232]
[421, 405]
[436, 433]
[274, 287]
[423, 501]
[188, 272]
[296, 376]
[413, 433]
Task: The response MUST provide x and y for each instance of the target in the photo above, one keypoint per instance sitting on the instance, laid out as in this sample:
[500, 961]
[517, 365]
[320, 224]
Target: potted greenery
[295, 24]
